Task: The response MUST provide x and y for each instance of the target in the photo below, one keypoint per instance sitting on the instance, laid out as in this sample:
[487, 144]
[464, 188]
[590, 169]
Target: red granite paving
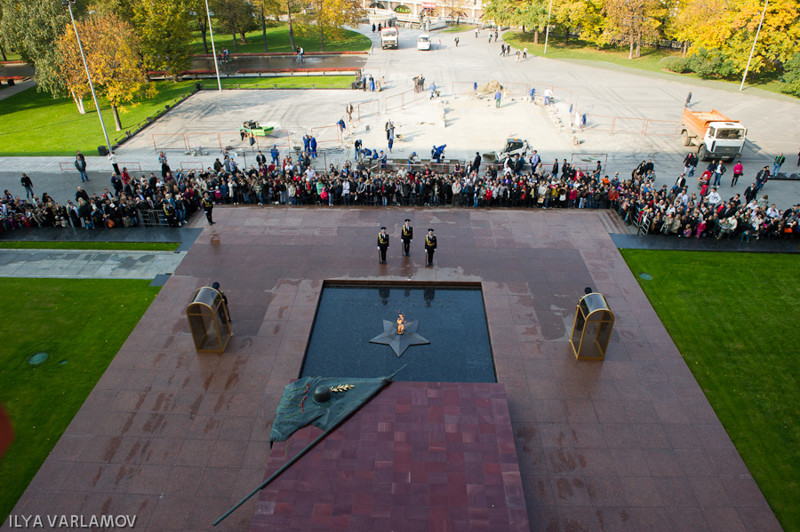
[630, 443]
[419, 456]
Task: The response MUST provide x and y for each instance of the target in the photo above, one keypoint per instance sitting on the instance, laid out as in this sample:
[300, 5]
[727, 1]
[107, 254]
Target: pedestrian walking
[776, 167]
[688, 99]
[525, 53]
[497, 96]
[27, 184]
[80, 164]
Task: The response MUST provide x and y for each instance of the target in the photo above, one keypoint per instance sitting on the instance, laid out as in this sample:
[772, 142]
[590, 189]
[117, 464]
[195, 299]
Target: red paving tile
[629, 443]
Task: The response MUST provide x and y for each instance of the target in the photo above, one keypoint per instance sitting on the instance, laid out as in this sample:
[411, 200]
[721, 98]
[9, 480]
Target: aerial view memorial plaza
[426, 279]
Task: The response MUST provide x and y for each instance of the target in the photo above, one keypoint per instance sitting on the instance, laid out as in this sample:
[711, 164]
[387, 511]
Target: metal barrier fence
[327, 134]
[370, 107]
[169, 141]
[67, 167]
[132, 166]
[191, 165]
[399, 101]
[625, 125]
[661, 128]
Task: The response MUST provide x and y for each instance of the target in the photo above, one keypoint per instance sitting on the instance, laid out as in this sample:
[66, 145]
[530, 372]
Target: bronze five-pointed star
[399, 342]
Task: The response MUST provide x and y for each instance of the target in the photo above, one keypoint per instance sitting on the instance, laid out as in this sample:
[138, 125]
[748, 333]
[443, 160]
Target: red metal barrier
[191, 165]
[133, 167]
[369, 107]
[327, 134]
[399, 101]
[169, 141]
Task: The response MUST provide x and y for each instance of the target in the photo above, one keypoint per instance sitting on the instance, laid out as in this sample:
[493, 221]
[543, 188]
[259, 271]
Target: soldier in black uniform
[430, 246]
[406, 235]
[208, 207]
[383, 245]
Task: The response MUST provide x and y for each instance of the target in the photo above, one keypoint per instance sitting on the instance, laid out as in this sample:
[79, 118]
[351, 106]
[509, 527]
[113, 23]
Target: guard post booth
[591, 331]
[209, 321]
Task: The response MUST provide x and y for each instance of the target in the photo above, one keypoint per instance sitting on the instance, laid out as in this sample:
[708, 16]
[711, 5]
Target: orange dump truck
[714, 134]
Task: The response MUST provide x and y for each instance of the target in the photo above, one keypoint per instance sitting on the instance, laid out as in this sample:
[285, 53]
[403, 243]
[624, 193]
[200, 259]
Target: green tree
[113, 58]
[197, 9]
[235, 17]
[327, 18]
[122, 8]
[163, 26]
[32, 28]
[791, 75]
[529, 14]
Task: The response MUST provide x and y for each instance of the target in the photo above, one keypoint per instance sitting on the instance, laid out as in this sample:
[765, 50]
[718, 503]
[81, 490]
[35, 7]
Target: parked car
[424, 42]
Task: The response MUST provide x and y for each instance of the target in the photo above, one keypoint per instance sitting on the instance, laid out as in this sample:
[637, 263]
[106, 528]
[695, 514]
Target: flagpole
[308, 447]
[213, 47]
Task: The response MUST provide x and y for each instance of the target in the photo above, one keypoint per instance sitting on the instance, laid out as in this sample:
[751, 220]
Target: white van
[424, 42]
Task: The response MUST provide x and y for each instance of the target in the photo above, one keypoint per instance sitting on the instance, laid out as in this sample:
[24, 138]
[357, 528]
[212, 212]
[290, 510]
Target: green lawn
[36, 124]
[459, 28]
[293, 82]
[733, 316]
[128, 246]
[81, 324]
[278, 41]
[651, 60]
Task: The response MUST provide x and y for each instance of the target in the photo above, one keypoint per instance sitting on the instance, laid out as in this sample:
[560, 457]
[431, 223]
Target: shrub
[677, 64]
[710, 64]
[791, 76]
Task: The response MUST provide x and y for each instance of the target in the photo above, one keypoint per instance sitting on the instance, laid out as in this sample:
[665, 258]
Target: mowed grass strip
[733, 316]
[121, 246]
[278, 41]
[284, 82]
[35, 124]
[80, 324]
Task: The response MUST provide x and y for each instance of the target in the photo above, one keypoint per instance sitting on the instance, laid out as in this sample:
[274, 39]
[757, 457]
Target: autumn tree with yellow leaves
[114, 59]
[728, 28]
[327, 18]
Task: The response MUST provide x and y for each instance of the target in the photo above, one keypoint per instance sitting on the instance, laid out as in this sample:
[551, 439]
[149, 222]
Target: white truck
[715, 135]
[389, 38]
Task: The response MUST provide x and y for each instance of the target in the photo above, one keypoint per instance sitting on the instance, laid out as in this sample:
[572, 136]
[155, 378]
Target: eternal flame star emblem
[399, 337]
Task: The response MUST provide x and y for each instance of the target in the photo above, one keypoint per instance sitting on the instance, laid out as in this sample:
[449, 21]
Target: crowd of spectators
[519, 182]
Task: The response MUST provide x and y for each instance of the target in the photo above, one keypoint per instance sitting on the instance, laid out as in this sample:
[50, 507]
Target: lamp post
[753, 49]
[213, 48]
[68, 5]
[547, 30]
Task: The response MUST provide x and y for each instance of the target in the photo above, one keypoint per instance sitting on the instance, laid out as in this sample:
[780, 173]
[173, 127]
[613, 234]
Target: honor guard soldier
[430, 246]
[208, 207]
[383, 245]
[406, 235]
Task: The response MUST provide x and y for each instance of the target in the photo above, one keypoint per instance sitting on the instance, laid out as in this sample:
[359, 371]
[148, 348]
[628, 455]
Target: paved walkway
[96, 264]
[88, 264]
